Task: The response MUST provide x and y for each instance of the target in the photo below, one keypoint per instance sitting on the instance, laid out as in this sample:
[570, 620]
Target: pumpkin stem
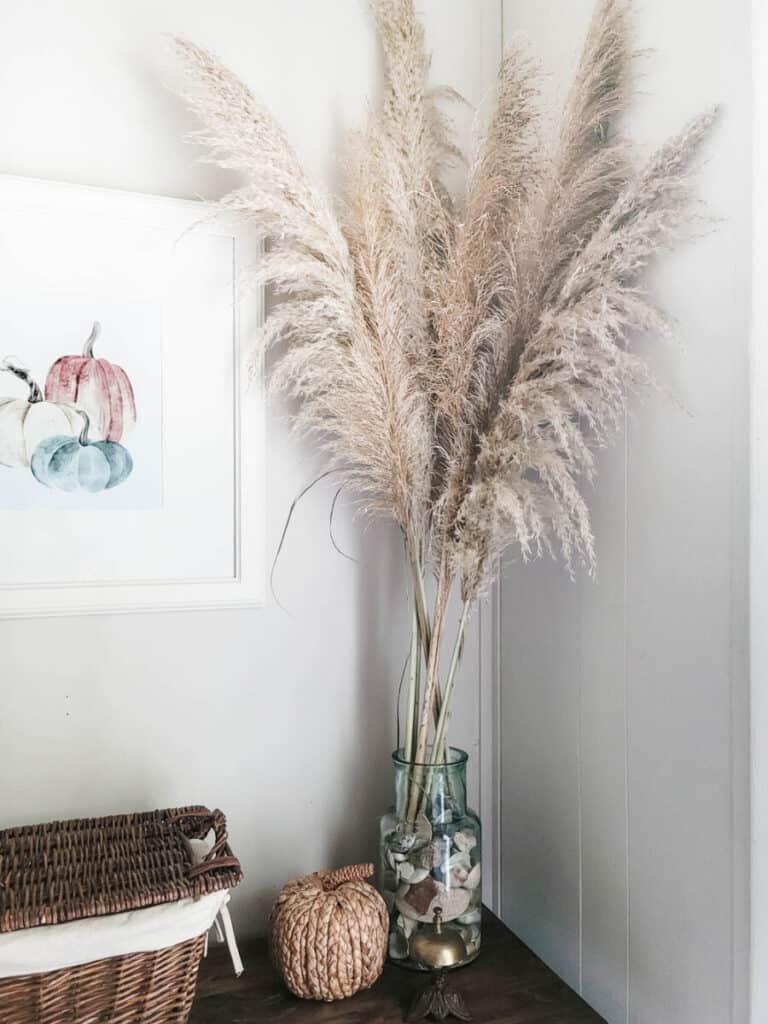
[35, 394]
[83, 439]
[92, 339]
[357, 873]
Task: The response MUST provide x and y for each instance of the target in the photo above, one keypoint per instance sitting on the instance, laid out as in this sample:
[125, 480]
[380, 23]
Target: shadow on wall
[378, 635]
[381, 652]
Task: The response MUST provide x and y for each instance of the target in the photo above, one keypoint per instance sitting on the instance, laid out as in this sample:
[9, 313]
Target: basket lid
[68, 870]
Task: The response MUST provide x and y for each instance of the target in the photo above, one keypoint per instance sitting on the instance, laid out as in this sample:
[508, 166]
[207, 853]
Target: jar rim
[456, 757]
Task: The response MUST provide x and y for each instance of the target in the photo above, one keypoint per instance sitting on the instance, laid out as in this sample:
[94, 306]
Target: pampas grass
[459, 358]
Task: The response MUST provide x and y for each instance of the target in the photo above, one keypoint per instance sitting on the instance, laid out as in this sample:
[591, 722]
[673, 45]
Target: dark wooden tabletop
[507, 984]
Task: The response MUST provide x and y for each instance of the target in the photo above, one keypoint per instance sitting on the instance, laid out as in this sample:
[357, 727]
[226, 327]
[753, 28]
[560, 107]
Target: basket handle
[216, 858]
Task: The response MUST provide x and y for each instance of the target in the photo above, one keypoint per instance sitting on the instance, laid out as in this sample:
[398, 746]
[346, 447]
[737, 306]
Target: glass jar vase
[430, 855]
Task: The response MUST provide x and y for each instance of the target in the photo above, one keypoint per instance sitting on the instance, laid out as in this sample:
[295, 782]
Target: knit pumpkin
[329, 934]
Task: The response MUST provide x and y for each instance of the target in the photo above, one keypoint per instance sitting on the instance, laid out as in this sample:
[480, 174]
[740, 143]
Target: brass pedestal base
[438, 1001]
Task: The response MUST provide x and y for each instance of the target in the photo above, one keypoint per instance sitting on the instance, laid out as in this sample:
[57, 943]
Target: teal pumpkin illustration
[78, 464]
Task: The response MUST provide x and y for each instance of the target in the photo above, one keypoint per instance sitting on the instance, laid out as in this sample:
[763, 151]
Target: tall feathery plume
[411, 117]
[574, 377]
[355, 392]
[239, 133]
[592, 163]
[380, 228]
[475, 293]
[576, 187]
[412, 133]
[460, 360]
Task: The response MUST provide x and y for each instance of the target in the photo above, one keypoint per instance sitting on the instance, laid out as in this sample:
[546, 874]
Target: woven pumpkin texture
[329, 934]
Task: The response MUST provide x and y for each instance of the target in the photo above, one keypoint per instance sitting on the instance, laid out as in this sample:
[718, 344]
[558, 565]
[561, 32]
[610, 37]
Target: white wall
[284, 721]
[624, 703]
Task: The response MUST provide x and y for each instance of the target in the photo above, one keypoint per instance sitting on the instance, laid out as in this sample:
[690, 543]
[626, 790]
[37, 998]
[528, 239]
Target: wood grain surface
[506, 985]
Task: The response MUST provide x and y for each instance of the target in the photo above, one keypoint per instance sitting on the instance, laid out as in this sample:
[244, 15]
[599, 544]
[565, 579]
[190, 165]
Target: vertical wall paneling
[489, 717]
[540, 763]
[489, 665]
[603, 751]
[624, 704]
[759, 530]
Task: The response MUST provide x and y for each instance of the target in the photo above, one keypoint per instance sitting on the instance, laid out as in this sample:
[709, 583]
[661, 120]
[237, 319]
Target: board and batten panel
[540, 897]
[759, 532]
[624, 784]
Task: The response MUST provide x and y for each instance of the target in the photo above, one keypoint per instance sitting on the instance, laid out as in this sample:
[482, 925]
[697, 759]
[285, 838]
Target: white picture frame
[196, 540]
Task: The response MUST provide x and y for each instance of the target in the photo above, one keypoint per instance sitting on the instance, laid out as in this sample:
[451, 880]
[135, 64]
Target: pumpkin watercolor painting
[26, 421]
[97, 386]
[79, 463]
[90, 437]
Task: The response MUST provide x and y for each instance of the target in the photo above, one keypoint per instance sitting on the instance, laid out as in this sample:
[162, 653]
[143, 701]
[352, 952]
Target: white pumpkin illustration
[25, 422]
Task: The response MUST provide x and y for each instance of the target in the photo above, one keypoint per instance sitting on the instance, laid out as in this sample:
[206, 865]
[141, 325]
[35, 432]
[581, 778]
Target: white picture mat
[204, 545]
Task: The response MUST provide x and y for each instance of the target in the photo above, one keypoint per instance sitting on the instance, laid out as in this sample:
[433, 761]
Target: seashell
[461, 860]
[459, 876]
[402, 891]
[424, 858]
[406, 925]
[454, 902]
[406, 871]
[406, 838]
[419, 874]
[473, 917]
[401, 842]
[465, 840]
[420, 896]
[406, 910]
[473, 878]
[423, 832]
[471, 938]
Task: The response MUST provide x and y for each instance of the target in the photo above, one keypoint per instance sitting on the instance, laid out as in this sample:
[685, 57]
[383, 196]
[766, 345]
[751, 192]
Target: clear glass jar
[430, 855]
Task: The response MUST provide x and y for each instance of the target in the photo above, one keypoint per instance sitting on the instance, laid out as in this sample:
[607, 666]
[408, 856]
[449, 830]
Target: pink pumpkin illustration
[99, 387]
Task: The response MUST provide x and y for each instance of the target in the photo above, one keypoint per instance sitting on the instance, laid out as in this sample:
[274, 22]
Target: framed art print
[131, 423]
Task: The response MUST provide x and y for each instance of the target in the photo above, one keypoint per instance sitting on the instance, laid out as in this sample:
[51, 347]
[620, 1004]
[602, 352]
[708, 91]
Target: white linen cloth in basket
[56, 947]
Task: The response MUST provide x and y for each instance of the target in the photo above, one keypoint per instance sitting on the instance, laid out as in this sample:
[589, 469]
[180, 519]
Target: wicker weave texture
[329, 934]
[144, 988]
[65, 871]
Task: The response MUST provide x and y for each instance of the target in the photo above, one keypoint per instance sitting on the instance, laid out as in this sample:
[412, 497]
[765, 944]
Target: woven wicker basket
[66, 871]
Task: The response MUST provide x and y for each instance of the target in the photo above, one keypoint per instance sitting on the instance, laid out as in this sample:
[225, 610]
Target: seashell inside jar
[430, 856]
